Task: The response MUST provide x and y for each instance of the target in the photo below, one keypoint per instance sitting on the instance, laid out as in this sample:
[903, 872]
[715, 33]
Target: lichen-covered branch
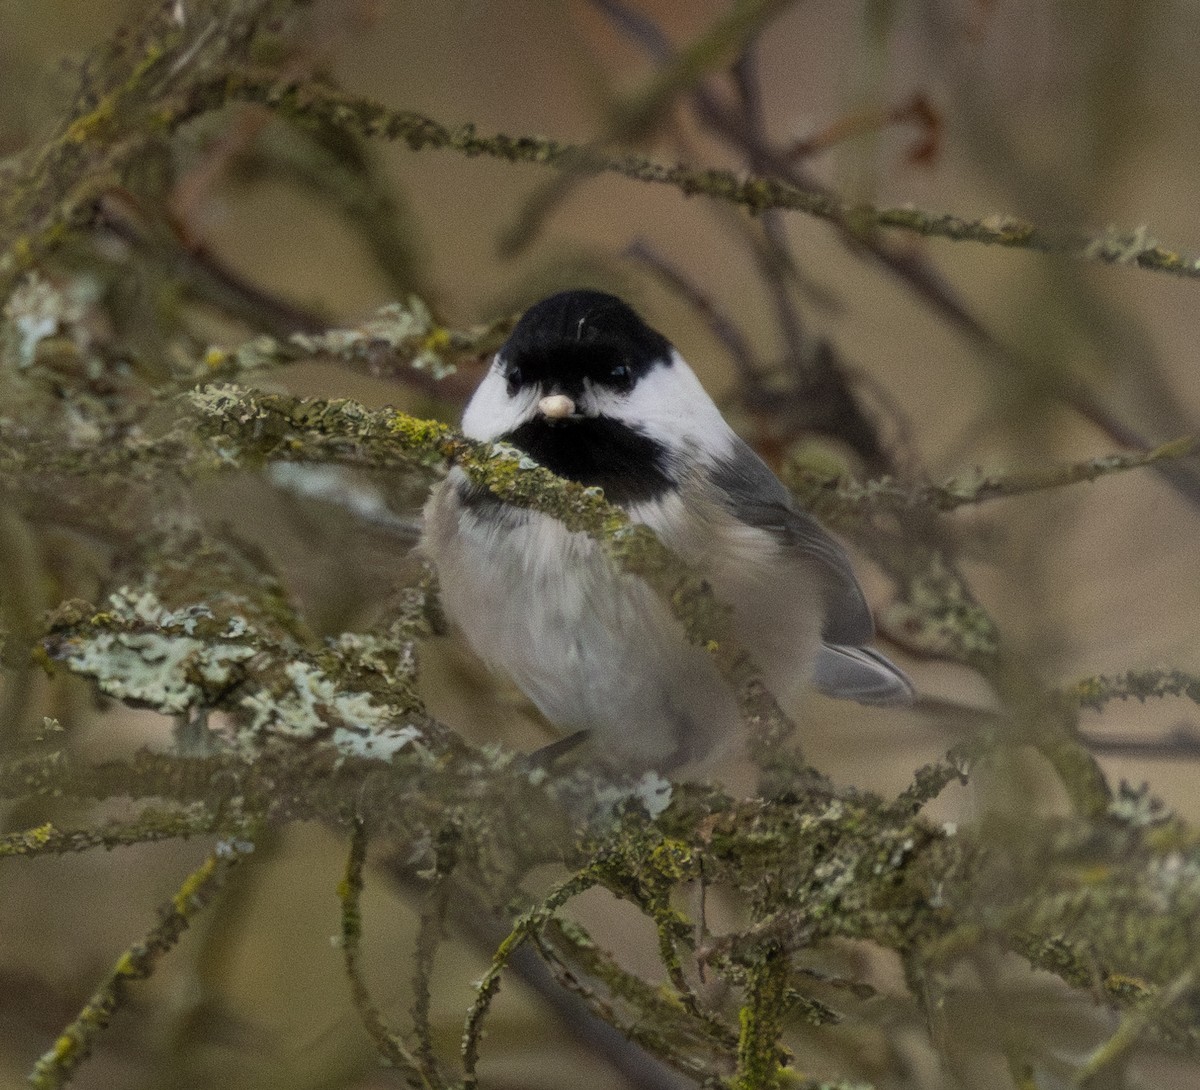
[390, 1046]
[419, 132]
[959, 492]
[1141, 685]
[151, 824]
[399, 334]
[75, 1043]
[489, 985]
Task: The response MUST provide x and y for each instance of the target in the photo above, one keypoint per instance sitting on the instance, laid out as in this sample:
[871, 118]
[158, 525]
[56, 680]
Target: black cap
[582, 334]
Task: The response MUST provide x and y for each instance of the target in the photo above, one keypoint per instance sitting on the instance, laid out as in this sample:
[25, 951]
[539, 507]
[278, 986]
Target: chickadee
[590, 391]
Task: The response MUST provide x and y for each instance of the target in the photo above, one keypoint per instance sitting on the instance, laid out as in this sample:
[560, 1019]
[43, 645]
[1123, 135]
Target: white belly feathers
[595, 649]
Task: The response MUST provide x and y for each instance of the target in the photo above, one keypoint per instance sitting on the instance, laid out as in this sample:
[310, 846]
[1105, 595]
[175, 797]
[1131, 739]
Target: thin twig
[155, 823]
[961, 492]
[720, 324]
[75, 1043]
[1133, 1025]
[636, 1027]
[1140, 685]
[1180, 744]
[429, 935]
[390, 1046]
[1133, 248]
[526, 924]
[774, 253]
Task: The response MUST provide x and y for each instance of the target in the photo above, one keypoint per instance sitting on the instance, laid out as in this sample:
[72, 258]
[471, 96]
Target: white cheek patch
[491, 412]
[669, 404]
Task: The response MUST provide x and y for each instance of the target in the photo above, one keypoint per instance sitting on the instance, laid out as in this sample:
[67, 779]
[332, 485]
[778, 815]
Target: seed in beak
[556, 406]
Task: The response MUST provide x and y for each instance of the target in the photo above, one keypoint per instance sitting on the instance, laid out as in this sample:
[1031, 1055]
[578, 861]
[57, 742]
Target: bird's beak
[556, 407]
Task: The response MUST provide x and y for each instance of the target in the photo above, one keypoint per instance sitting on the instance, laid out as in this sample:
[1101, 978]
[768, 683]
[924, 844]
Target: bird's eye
[620, 377]
[515, 379]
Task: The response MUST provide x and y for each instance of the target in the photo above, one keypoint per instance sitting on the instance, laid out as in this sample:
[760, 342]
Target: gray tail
[862, 674]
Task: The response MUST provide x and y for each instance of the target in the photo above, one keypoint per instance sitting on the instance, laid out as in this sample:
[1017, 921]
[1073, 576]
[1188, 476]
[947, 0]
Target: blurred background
[1077, 114]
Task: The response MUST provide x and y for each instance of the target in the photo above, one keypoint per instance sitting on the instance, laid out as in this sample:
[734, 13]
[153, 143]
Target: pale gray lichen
[1137, 807]
[653, 792]
[597, 798]
[37, 309]
[316, 702]
[376, 745]
[149, 655]
[34, 311]
[180, 660]
[514, 454]
[400, 329]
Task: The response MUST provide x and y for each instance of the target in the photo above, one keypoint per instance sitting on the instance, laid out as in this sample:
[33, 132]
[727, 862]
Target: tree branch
[75, 1043]
[419, 132]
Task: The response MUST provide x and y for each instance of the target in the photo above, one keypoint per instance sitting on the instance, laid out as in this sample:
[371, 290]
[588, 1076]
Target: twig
[390, 1046]
[153, 824]
[526, 924]
[720, 324]
[1132, 1027]
[429, 934]
[953, 494]
[1141, 685]
[961, 492]
[75, 1043]
[400, 341]
[1182, 743]
[1135, 248]
[774, 254]
[636, 1028]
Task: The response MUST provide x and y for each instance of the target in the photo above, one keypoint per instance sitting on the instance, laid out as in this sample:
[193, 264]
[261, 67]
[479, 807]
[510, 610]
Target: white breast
[593, 649]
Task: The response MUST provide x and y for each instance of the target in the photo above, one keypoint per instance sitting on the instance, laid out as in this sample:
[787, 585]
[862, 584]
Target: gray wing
[842, 668]
[756, 496]
[862, 674]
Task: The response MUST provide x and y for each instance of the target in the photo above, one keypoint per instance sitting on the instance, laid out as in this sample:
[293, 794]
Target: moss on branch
[75, 1043]
[1140, 685]
[885, 493]
[419, 132]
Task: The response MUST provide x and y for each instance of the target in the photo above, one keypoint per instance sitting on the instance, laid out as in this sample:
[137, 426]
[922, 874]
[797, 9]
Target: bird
[585, 387]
